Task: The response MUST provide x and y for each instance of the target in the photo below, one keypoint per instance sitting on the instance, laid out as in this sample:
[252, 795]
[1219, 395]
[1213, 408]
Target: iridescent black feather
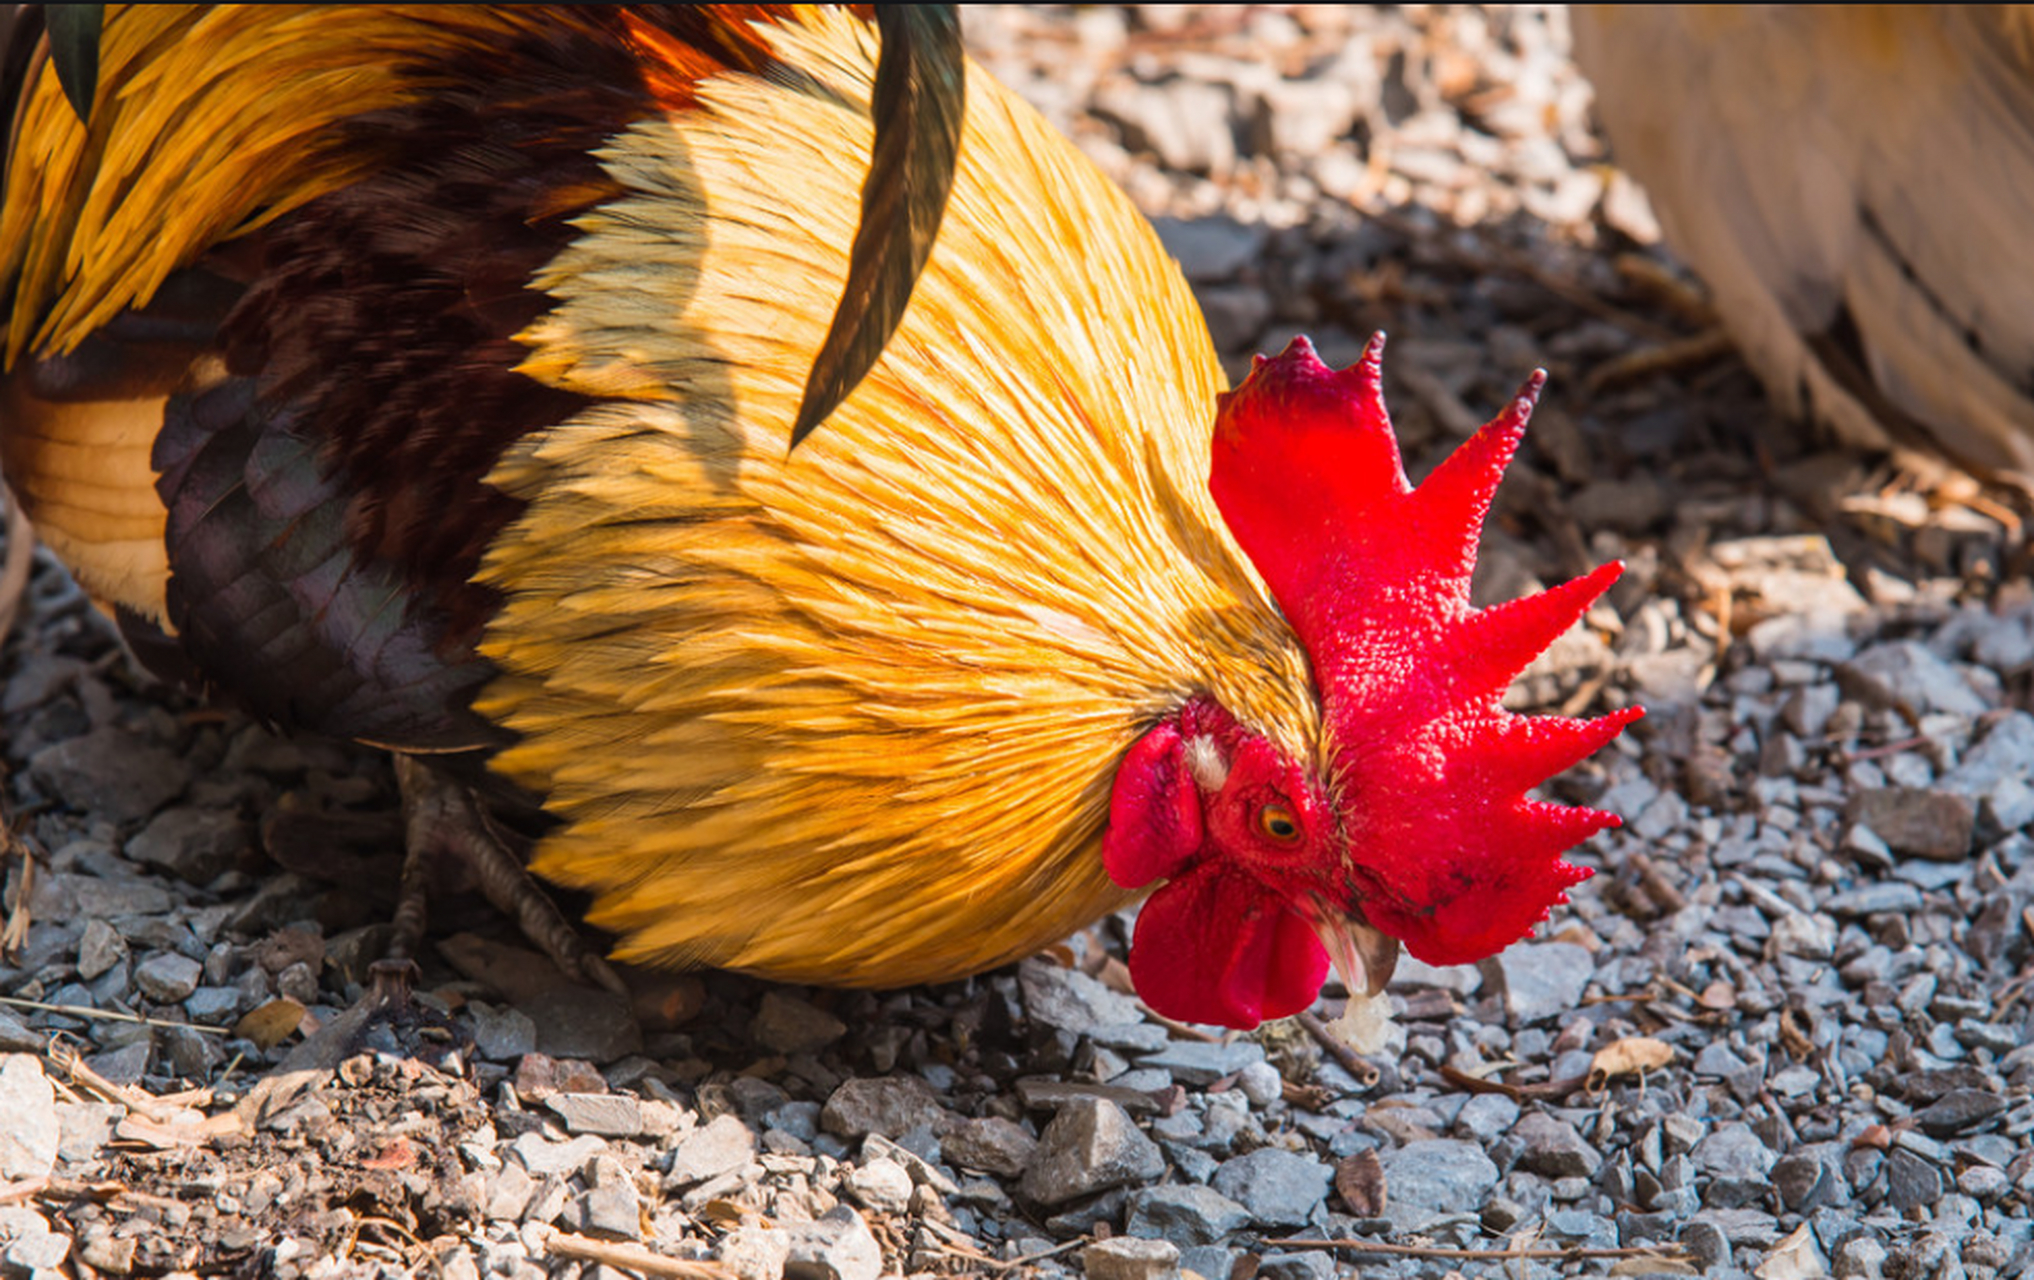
[918, 104]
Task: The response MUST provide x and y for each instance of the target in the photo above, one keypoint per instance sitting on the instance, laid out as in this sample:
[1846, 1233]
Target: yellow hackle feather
[851, 715]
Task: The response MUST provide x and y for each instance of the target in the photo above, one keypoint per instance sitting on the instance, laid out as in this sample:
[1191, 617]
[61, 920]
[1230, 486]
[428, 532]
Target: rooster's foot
[443, 819]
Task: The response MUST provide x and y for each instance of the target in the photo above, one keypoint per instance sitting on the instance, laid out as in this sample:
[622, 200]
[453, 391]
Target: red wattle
[1215, 946]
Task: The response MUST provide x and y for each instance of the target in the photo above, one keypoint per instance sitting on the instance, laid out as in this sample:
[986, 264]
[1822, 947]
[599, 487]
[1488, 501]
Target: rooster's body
[1854, 185]
[425, 377]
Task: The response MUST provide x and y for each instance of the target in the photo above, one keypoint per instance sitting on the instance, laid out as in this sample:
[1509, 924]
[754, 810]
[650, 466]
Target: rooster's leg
[443, 819]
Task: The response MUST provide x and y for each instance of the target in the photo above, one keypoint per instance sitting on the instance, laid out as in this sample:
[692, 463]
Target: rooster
[1852, 182]
[426, 377]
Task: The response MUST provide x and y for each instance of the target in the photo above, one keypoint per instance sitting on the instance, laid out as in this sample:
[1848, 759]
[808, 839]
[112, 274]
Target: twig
[1516, 1092]
[630, 1257]
[1676, 355]
[1887, 748]
[1180, 1029]
[1579, 701]
[1669, 900]
[1366, 1075]
[1492, 256]
[965, 1249]
[1455, 419]
[88, 1014]
[1571, 1253]
[70, 1063]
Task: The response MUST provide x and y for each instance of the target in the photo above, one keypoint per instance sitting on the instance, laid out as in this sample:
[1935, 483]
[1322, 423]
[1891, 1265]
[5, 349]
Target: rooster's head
[1411, 823]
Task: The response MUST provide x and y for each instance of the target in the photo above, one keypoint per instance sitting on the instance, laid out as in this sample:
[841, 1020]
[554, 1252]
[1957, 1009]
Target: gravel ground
[1783, 1032]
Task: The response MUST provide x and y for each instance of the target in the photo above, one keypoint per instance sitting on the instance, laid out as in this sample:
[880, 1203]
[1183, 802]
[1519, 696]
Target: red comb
[1429, 773]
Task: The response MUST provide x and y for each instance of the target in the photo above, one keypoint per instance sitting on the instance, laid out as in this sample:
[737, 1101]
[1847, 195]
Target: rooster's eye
[1278, 822]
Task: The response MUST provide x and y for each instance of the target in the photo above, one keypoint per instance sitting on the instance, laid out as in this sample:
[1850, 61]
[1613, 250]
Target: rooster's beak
[1363, 956]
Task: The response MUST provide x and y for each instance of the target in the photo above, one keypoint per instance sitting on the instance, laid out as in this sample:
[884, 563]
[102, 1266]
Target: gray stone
[99, 949]
[785, 1024]
[115, 1256]
[882, 1185]
[721, 1146]
[1279, 1188]
[755, 1252]
[188, 1053]
[85, 1127]
[1923, 822]
[1129, 1258]
[1187, 124]
[1206, 1260]
[1738, 1165]
[610, 1115]
[17, 1036]
[990, 1144]
[889, 1105]
[1210, 249]
[1875, 899]
[1906, 674]
[1434, 1177]
[1311, 1265]
[1706, 1245]
[1551, 1148]
[1200, 1063]
[1957, 1111]
[213, 1006]
[1983, 1183]
[195, 845]
[611, 1208]
[1717, 1059]
[837, 1245]
[30, 1136]
[38, 1253]
[543, 1157]
[1071, 1000]
[507, 1193]
[501, 1034]
[1860, 1256]
[1805, 1181]
[1261, 1083]
[1411, 971]
[168, 978]
[575, 1021]
[110, 774]
[1235, 314]
[2003, 753]
[1187, 1215]
[1911, 1182]
[1090, 1146]
[1304, 118]
[1540, 980]
[76, 897]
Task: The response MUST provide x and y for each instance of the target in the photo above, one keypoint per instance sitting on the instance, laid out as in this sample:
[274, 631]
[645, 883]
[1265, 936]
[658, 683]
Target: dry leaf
[182, 1128]
[1797, 1257]
[1720, 996]
[1359, 1180]
[1582, 936]
[272, 1023]
[1631, 1056]
[1797, 1033]
[1115, 975]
